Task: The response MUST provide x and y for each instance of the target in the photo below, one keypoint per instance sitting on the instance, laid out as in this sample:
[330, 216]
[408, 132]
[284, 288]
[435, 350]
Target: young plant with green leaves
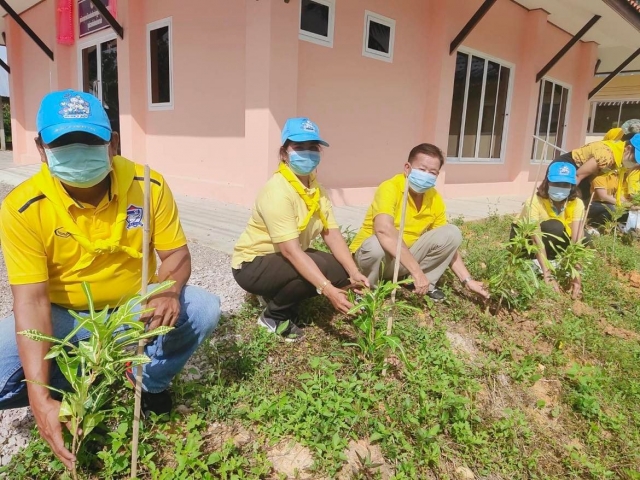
[571, 260]
[94, 365]
[512, 280]
[372, 310]
[610, 227]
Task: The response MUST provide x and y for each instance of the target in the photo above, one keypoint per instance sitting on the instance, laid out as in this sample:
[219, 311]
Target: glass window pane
[110, 100]
[314, 18]
[489, 109]
[555, 117]
[629, 110]
[379, 37]
[160, 67]
[606, 117]
[90, 70]
[457, 105]
[501, 111]
[472, 116]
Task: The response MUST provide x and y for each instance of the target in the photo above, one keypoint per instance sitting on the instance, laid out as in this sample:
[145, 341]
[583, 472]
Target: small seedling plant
[512, 280]
[571, 261]
[372, 311]
[94, 365]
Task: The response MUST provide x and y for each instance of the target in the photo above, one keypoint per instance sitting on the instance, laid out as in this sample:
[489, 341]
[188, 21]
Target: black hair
[426, 149]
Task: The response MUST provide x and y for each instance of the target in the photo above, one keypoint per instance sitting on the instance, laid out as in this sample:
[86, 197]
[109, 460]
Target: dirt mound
[291, 460]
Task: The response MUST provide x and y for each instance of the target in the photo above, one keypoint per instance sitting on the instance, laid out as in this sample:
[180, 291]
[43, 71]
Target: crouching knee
[203, 308]
[452, 234]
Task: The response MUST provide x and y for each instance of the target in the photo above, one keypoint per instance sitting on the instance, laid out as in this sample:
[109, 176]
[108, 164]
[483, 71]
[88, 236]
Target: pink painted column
[525, 99]
[580, 103]
[439, 81]
[16, 87]
[271, 84]
[132, 89]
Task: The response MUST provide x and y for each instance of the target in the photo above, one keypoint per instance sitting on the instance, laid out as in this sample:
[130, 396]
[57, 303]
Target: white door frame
[94, 40]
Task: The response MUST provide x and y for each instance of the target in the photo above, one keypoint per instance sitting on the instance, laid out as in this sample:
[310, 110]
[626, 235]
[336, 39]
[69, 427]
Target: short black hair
[426, 149]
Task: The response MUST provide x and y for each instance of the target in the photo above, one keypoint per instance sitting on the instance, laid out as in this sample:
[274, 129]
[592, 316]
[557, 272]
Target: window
[551, 121]
[479, 109]
[317, 19]
[606, 115]
[379, 33]
[160, 65]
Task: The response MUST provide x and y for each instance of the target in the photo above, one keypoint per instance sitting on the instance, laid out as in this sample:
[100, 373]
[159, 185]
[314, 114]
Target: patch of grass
[551, 392]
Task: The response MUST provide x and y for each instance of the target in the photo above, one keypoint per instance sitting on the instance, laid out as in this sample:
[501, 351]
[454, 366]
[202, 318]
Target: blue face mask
[558, 194]
[79, 165]
[420, 181]
[303, 162]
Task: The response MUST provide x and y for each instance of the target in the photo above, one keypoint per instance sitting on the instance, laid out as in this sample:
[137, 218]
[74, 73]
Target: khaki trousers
[433, 251]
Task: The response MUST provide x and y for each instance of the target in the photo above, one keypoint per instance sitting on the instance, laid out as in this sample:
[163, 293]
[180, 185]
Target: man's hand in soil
[46, 413]
[166, 307]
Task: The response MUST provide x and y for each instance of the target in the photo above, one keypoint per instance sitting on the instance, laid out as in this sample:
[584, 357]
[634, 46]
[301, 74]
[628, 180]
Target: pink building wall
[239, 71]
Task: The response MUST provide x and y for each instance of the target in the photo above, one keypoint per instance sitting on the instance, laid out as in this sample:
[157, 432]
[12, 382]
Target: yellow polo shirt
[388, 200]
[37, 248]
[632, 182]
[278, 211]
[607, 181]
[535, 211]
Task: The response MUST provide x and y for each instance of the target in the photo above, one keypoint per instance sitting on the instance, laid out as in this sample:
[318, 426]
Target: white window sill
[475, 161]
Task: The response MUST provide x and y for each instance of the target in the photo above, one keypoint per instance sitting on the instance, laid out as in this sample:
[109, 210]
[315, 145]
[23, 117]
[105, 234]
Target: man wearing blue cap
[80, 219]
[273, 258]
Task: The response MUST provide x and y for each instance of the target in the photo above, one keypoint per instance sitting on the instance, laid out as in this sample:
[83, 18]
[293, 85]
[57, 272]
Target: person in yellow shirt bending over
[558, 210]
[273, 259]
[430, 245]
[80, 220]
[608, 193]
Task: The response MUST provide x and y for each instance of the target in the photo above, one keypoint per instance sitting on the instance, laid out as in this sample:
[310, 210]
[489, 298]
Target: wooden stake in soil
[146, 238]
[586, 215]
[396, 266]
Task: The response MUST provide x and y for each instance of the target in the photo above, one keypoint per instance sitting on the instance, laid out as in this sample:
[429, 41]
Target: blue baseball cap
[562, 172]
[70, 111]
[635, 141]
[301, 130]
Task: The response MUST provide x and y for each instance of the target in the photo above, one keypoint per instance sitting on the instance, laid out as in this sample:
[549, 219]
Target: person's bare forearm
[335, 241]
[459, 268]
[389, 241]
[306, 267]
[34, 315]
[176, 266]
[604, 197]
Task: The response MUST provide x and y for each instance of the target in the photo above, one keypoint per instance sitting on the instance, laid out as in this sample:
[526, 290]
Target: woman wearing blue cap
[558, 211]
[273, 258]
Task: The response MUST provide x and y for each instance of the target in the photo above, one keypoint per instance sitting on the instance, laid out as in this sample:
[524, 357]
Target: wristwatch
[466, 280]
[321, 288]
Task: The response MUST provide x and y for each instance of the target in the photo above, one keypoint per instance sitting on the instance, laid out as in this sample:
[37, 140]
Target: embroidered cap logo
[564, 171]
[75, 107]
[308, 126]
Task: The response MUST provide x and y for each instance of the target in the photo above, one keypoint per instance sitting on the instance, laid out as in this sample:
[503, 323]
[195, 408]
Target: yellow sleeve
[603, 156]
[24, 252]
[439, 212]
[578, 211]
[385, 200]
[276, 209]
[167, 231]
[531, 211]
[601, 181]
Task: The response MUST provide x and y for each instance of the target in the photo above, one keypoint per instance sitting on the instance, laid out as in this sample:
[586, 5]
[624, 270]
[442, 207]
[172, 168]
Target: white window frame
[313, 37]
[94, 40]
[165, 22]
[507, 112]
[566, 116]
[389, 22]
[592, 109]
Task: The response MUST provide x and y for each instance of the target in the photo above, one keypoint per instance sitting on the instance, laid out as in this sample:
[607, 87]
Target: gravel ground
[211, 270]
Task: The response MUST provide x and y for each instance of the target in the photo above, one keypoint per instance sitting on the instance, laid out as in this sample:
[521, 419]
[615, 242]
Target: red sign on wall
[89, 18]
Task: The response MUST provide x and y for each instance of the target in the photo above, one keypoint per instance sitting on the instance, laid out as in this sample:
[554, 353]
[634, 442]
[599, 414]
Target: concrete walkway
[218, 225]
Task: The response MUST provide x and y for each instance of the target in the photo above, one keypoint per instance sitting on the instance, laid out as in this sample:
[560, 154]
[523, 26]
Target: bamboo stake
[396, 266]
[146, 238]
[535, 184]
[585, 215]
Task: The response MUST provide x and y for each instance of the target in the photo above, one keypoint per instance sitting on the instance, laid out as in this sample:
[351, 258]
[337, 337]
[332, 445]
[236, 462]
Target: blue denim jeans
[199, 316]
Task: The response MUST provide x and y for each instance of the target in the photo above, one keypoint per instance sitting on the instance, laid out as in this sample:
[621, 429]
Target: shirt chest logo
[134, 217]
